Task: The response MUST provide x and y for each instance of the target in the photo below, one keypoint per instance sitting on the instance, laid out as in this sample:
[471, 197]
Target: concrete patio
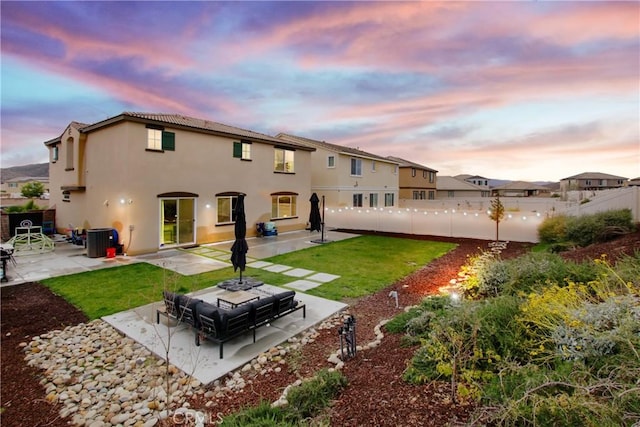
[202, 362]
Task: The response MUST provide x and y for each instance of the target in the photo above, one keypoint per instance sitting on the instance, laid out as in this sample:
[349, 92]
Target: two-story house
[349, 177]
[12, 188]
[521, 189]
[167, 180]
[478, 180]
[591, 181]
[416, 182]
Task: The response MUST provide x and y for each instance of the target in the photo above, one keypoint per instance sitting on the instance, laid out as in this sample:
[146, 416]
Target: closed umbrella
[240, 247]
[315, 221]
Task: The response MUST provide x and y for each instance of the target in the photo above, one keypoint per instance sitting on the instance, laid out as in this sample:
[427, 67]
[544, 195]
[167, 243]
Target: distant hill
[36, 169]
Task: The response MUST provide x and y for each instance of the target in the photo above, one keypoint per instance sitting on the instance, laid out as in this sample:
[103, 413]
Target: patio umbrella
[314, 216]
[240, 247]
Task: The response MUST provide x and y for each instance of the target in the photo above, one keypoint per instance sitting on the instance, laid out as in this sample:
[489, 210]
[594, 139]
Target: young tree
[33, 190]
[497, 213]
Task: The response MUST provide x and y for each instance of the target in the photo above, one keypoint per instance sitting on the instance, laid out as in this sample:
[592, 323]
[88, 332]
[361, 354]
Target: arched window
[284, 204]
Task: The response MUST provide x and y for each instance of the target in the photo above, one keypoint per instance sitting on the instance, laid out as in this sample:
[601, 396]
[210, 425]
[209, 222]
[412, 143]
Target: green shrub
[312, 396]
[467, 343]
[553, 230]
[398, 324]
[262, 415]
[533, 271]
[586, 229]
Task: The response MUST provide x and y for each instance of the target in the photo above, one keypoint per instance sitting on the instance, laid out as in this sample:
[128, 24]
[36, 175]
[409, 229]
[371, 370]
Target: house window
[13, 185]
[154, 139]
[388, 199]
[69, 154]
[283, 161]
[373, 200]
[356, 167]
[419, 195]
[395, 169]
[283, 205]
[587, 182]
[373, 165]
[159, 140]
[432, 177]
[451, 194]
[413, 172]
[357, 200]
[226, 208]
[242, 150]
[432, 195]
[331, 161]
[54, 154]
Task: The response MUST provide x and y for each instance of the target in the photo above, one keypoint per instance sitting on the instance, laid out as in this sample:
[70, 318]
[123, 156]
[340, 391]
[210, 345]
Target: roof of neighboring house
[407, 164]
[449, 183]
[29, 179]
[594, 175]
[341, 149]
[466, 176]
[183, 122]
[521, 185]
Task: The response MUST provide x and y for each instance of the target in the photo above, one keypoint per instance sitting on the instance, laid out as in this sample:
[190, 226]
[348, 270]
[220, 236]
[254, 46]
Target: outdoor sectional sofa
[220, 325]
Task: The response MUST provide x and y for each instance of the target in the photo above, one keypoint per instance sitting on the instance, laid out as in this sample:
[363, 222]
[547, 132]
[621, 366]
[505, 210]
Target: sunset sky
[535, 90]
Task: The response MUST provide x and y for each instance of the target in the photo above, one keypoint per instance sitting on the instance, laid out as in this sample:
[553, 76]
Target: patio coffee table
[236, 298]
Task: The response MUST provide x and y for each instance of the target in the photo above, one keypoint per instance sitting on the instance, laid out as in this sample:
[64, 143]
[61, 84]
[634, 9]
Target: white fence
[446, 222]
[600, 201]
[469, 218]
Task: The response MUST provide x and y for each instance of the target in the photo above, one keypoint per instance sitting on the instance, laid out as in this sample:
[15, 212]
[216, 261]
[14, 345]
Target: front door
[177, 221]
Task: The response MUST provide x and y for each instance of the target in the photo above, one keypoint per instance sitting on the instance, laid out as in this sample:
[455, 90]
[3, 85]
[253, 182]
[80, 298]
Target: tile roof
[521, 185]
[448, 183]
[333, 147]
[594, 175]
[179, 120]
[407, 163]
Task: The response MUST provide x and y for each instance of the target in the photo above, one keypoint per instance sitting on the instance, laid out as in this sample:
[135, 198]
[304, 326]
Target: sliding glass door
[177, 221]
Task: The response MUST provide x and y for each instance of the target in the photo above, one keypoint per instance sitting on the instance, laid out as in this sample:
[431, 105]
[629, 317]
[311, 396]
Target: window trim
[231, 195]
[356, 166]
[242, 150]
[285, 151]
[279, 194]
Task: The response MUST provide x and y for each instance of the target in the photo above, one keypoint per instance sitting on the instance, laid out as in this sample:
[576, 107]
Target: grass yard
[365, 265]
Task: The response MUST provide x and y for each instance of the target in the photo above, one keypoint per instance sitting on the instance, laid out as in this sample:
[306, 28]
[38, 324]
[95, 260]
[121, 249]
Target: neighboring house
[449, 187]
[634, 182]
[591, 181]
[12, 188]
[348, 176]
[521, 189]
[416, 182]
[167, 180]
[478, 180]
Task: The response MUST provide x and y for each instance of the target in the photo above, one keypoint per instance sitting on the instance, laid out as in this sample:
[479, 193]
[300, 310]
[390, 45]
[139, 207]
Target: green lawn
[365, 265]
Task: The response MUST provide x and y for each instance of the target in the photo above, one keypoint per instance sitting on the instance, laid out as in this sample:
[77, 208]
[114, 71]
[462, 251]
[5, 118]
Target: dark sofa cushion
[235, 320]
[262, 310]
[212, 312]
[285, 301]
[188, 315]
